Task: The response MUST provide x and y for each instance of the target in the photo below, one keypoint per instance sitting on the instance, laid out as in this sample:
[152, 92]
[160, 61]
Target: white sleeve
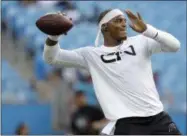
[159, 41]
[54, 55]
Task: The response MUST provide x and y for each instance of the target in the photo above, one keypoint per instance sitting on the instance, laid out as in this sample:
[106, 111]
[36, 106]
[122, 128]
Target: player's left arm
[157, 40]
[160, 41]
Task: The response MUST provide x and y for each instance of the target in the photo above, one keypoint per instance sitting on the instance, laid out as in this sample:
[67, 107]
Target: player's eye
[119, 20]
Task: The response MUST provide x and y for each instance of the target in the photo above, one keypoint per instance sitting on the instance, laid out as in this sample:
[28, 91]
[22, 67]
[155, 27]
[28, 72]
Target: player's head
[22, 129]
[80, 98]
[114, 28]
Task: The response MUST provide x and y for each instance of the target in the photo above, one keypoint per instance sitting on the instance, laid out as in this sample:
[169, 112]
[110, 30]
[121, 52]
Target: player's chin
[124, 37]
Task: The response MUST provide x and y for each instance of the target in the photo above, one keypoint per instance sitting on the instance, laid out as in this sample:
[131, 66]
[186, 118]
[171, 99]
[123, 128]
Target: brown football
[54, 24]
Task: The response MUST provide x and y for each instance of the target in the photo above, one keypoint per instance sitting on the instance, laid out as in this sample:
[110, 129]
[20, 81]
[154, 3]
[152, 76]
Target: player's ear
[104, 28]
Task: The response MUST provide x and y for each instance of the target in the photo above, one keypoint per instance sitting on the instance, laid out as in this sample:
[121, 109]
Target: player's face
[117, 28]
[80, 100]
[24, 130]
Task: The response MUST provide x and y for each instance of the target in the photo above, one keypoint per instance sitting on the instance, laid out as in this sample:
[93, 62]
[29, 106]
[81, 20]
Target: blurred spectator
[84, 75]
[22, 129]
[70, 9]
[97, 11]
[3, 25]
[27, 3]
[84, 83]
[47, 4]
[33, 83]
[73, 14]
[70, 75]
[42, 88]
[66, 5]
[61, 97]
[41, 69]
[85, 117]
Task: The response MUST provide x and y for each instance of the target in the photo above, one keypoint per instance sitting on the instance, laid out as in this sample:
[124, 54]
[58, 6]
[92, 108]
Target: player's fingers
[130, 15]
[50, 13]
[132, 26]
[133, 19]
[61, 13]
[139, 16]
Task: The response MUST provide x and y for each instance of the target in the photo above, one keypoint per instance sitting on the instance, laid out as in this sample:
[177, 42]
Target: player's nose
[123, 25]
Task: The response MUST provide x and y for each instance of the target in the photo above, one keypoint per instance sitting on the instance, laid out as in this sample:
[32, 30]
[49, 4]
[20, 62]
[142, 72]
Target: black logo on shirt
[116, 56]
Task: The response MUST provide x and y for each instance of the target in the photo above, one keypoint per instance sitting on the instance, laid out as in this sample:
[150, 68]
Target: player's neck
[109, 42]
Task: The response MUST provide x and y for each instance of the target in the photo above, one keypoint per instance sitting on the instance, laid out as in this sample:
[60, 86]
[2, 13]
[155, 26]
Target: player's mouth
[123, 31]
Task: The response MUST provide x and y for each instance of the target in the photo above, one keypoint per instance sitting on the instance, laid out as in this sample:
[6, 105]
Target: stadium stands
[22, 22]
[14, 88]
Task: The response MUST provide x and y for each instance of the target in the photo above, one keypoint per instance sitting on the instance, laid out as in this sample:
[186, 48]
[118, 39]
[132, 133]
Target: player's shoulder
[90, 51]
[85, 49]
[139, 42]
[137, 38]
[88, 48]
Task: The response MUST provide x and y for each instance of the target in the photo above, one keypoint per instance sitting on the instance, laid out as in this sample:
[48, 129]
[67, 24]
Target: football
[54, 24]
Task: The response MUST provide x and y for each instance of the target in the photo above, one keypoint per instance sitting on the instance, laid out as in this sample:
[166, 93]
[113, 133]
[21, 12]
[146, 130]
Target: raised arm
[54, 55]
[157, 40]
[160, 41]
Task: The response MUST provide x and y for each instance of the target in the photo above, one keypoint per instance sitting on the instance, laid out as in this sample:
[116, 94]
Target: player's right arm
[54, 55]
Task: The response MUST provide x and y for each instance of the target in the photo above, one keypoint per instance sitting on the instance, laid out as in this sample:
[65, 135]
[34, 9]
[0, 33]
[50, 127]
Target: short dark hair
[103, 14]
[20, 128]
[57, 72]
[79, 93]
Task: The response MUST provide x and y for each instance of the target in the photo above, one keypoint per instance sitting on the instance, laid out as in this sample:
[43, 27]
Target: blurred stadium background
[45, 98]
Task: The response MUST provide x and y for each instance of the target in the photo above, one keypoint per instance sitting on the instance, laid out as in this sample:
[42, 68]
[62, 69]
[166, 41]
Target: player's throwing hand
[137, 23]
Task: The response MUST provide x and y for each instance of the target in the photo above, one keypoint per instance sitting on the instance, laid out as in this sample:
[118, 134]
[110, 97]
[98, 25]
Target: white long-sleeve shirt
[122, 75]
